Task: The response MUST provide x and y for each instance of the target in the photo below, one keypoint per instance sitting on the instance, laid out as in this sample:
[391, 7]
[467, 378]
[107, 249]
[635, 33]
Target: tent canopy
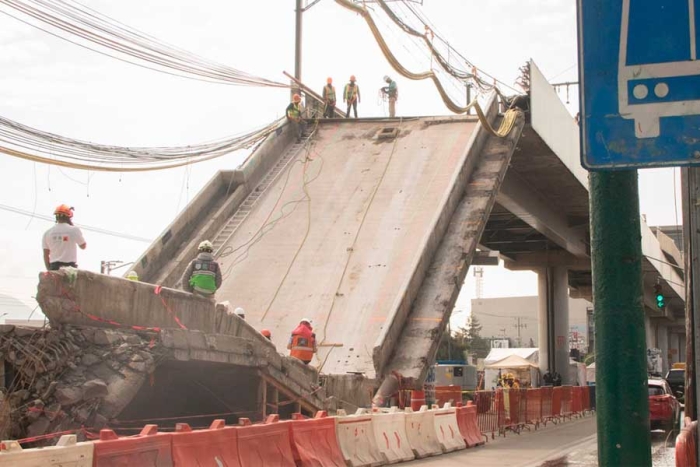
[496, 355]
[513, 361]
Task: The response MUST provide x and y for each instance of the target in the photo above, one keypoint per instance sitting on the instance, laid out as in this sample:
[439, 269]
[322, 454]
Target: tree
[475, 343]
[452, 345]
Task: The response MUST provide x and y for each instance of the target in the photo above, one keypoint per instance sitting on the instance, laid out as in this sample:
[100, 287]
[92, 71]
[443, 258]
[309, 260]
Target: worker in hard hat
[329, 98]
[391, 92]
[132, 276]
[60, 241]
[266, 333]
[294, 114]
[302, 343]
[203, 274]
[351, 95]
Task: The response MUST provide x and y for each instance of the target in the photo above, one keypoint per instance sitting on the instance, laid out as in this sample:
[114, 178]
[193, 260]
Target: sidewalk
[530, 449]
[569, 444]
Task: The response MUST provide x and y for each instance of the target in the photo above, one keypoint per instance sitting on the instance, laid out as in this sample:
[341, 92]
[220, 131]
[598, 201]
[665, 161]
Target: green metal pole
[622, 401]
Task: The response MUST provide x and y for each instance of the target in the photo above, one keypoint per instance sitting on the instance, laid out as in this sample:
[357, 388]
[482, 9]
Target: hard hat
[329, 80]
[296, 98]
[266, 333]
[132, 276]
[63, 210]
[206, 246]
[386, 78]
[239, 311]
[305, 320]
[352, 78]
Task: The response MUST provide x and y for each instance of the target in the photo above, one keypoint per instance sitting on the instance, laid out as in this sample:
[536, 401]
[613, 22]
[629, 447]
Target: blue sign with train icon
[640, 83]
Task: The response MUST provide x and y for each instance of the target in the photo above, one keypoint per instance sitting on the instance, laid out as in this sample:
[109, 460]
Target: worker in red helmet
[329, 98]
[61, 240]
[294, 114]
[266, 333]
[351, 95]
[302, 343]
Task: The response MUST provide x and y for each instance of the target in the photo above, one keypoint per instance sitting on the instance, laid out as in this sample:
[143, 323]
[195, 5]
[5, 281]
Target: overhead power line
[108, 36]
[29, 143]
[82, 226]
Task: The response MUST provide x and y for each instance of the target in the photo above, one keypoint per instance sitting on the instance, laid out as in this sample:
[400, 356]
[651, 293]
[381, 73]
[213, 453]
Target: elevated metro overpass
[369, 227]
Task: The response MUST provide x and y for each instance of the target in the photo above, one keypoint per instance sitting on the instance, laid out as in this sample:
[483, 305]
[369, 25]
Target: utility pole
[519, 326]
[690, 183]
[621, 395]
[297, 42]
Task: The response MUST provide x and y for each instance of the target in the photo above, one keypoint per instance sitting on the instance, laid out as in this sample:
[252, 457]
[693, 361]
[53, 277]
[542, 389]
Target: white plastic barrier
[390, 433]
[447, 429]
[357, 440]
[420, 431]
[67, 453]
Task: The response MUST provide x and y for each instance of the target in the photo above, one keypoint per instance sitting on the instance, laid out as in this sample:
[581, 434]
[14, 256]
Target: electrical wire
[82, 226]
[29, 143]
[127, 44]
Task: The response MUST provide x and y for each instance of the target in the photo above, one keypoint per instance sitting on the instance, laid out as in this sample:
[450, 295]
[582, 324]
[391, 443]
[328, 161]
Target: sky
[58, 87]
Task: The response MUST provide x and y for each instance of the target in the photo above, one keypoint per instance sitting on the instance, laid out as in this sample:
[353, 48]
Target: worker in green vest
[203, 274]
[391, 92]
[329, 98]
[294, 115]
[351, 95]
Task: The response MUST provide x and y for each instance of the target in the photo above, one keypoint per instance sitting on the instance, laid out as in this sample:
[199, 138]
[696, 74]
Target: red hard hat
[329, 80]
[63, 210]
[352, 78]
[296, 98]
[266, 333]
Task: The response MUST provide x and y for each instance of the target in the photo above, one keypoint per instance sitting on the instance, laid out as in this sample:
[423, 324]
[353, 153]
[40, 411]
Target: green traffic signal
[660, 299]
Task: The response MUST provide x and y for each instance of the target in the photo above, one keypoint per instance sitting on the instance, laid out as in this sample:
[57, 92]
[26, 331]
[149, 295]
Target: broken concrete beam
[67, 298]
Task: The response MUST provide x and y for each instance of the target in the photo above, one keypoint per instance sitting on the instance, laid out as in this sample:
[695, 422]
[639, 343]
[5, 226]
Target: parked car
[664, 409]
[676, 379]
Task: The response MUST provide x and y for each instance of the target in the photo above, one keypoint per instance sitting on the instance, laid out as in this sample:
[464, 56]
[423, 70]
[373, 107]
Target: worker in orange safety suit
[302, 343]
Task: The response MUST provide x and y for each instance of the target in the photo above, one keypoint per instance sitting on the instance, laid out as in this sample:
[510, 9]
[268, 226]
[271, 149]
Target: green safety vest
[294, 110]
[351, 92]
[329, 93]
[203, 279]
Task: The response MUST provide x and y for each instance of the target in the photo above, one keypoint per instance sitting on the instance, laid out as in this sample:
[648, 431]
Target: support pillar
[674, 348]
[553, 325]
[662, 342]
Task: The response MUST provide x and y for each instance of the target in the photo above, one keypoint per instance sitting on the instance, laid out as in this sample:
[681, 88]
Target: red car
[664, 409]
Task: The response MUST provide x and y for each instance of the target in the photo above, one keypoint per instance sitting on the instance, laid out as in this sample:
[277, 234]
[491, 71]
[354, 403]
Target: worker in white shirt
[60, 241]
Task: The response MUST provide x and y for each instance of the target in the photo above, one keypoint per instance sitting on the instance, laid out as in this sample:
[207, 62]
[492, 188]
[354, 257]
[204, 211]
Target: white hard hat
[386, 78]
[305, 320]
[206, 246]
[239, 311]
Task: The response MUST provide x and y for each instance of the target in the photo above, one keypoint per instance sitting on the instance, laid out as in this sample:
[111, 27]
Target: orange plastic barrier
[147, 449]
[577, 400]
[546, 404]
[534, 407]
[448, 394]
[468, 426]
[556, 402]
[417, 400]
[266, 444]
[206, 448]
[566, 392]
[447, 429]
[686, 446]
[314, 441]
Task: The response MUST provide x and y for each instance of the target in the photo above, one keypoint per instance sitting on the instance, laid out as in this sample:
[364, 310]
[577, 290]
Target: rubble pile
[70, 378]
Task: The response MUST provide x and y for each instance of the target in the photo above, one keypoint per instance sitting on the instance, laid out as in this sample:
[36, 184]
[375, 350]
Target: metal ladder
[247, 206]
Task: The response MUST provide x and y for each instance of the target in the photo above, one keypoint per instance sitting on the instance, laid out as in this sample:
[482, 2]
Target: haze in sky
[58, 87]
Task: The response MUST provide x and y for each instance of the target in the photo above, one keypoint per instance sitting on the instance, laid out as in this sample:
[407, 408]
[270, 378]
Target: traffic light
[660, 299]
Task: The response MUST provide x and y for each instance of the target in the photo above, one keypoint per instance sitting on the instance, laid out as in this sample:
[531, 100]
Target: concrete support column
[560, 295]
[662, 341]
[543, 320]
[553, 326]
[674, 348]
[649, 332]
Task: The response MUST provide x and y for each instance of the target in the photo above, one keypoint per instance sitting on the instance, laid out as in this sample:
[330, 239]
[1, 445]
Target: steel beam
[526, 203]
